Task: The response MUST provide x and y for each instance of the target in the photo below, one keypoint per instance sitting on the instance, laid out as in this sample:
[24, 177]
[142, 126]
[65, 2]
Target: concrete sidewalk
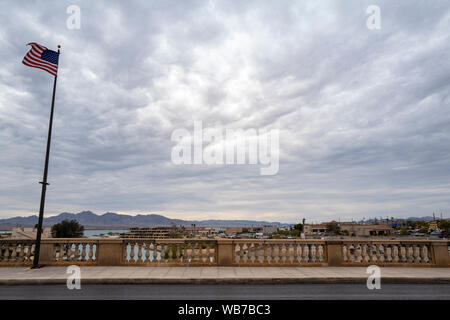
[234, 275]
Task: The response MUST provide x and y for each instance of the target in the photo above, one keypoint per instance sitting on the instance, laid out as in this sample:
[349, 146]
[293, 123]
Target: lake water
[95, 233]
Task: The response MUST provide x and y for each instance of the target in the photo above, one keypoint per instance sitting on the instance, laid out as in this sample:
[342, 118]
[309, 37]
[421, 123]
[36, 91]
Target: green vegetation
[333, 228]
[67, 229]
[424, 227]
[404, 231]
[296, 231]
[444, 225]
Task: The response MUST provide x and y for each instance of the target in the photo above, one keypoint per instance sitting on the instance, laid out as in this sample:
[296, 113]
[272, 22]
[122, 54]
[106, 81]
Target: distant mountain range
[107, 220]
[428, 218]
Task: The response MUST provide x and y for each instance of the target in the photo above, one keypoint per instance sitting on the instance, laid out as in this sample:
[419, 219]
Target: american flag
[42, 58]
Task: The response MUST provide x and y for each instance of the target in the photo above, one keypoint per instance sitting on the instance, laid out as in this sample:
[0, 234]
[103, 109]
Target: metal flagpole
[44, 181]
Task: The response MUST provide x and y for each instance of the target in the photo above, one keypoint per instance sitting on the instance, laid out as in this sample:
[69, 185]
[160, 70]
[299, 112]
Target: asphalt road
[229, 291]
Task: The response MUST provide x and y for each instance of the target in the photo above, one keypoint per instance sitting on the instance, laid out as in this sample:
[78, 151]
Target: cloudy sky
[363, 115]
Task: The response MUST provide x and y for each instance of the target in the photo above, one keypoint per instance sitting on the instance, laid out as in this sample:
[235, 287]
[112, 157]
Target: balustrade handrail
[179, 251]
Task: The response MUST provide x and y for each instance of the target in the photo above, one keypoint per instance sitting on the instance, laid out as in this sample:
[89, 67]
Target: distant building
[266, 230]
[366, 230]
[149, 232]
[314, 228]
[433, 225]
[233, 230]
[29, 233]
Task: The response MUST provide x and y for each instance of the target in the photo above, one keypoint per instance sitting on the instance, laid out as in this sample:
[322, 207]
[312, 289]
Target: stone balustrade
[169, 252]
[387, 252]
[279, 252]
[227, 252]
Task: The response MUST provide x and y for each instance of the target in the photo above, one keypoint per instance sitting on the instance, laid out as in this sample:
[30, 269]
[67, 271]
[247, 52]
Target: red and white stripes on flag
[42, 58]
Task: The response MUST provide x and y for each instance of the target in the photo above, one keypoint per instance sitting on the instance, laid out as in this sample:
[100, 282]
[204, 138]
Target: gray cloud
[363, 115]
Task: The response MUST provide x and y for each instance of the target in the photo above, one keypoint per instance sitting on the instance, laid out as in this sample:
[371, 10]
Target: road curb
[341, 280]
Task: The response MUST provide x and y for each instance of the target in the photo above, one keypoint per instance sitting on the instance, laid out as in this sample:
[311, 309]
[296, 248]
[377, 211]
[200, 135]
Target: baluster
[26, 252]
[91, 252]
[252, 253]
[132, 253]
[69, 252]
[29, 250]
[195, 252]
[364, 254]
[351, 253]
[83, 251]
[381, 253]
[188, 252]
[425, 258]
[305, 253]
[178, 253]
[7, 253]
[290, 252]
[167, 253]
[299, 253]
[21, 259]
[199, 247]
[417, 258]
[283, 252]
[259, 253]
[373, 253]
[313, 253]
[74, 248]
[210, 253]
[358, 251]
[258, 250]
[125, 252]
[410, 254]
[162, 252]
[274, 253]
[214, 253]
[57, 255]
[147, 252]
[403, 253]
[389, 253]
[395, 254]
[237, 253]
[77, 251]
[266, 253]
[32, 251]
[139, 253]
[244, 255]
[201, 252]
[204, 253]
[155, 252]
[14, 252]
[62, 252]
[172, 253]
[320, 253]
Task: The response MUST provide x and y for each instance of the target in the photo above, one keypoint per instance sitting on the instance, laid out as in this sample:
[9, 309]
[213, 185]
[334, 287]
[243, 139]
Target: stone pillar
[440, 253]
[334, 253]
[46, 252]
[110, 252]
[224, 252]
